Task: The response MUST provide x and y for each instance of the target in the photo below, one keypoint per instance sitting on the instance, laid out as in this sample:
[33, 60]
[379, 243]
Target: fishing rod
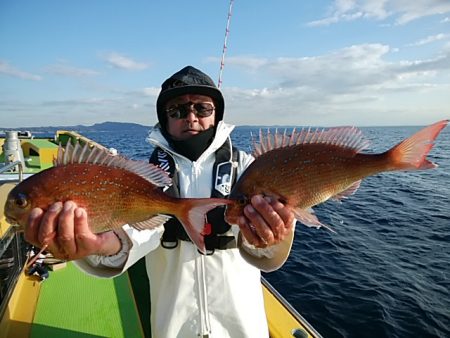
[227, 32]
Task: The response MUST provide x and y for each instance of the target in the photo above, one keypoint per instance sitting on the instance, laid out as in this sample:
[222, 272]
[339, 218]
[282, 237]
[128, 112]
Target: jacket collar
[223, 131]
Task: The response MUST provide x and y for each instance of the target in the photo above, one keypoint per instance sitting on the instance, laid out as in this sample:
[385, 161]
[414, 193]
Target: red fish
[114, 191]
[307, 168]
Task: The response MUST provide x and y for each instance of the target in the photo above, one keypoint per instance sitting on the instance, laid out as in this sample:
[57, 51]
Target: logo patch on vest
[224, 178]
[163, 160]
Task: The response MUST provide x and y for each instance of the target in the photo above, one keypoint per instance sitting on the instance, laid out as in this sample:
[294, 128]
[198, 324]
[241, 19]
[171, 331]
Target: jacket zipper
[200, 270]
[205, 328]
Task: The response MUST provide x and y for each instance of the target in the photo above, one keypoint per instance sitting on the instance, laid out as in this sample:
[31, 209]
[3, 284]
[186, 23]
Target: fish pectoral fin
[308, 218]
[347, 192]
[151, 223]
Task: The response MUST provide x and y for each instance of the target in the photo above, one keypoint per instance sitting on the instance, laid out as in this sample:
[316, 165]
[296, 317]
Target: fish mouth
[11, 220]
[15, 225]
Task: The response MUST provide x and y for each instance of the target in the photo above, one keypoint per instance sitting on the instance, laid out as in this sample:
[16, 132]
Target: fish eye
[21, 201]
[242, 200]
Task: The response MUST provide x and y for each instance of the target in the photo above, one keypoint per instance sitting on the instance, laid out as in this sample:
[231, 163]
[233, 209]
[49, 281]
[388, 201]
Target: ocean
[386, 270]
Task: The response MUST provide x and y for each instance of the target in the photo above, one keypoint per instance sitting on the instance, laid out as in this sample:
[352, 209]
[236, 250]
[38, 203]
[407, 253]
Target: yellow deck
[282, 323]
[19, 314]
[4, 190]
[71, 304]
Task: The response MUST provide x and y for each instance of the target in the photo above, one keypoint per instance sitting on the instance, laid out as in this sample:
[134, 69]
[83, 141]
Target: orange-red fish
[114, 191]
[310, 167]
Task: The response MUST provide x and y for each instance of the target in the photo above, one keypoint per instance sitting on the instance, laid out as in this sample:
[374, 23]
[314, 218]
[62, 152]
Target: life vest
[224, 177]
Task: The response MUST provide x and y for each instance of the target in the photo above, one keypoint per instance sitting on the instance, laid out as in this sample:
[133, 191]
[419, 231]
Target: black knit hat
[188, 80]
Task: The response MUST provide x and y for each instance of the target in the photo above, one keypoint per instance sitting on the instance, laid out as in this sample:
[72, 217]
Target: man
[192, 295]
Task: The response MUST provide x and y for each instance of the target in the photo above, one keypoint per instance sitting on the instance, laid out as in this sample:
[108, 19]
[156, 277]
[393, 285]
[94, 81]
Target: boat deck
[72, 304]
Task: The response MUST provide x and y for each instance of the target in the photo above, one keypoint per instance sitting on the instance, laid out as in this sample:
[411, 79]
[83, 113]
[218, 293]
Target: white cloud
[88, 102]
[151, 91]
[133, 106]
[123, 62]
[430, 39]
[403, 11]
[354, 66]
[64, 69]
[248, 62]
[7, 69]
[412, 10]
[358, 84]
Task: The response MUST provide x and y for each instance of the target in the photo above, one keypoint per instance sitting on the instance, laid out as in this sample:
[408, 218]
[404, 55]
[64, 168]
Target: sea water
[386, 270]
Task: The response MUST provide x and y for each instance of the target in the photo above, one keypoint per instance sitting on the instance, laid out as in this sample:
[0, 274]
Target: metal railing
[8, 166]
[12, 250]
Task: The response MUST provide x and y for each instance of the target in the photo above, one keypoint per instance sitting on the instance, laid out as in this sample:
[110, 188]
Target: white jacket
[195, 295]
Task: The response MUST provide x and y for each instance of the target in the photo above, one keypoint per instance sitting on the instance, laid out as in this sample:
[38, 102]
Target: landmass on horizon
[120, 126]
[97, 127]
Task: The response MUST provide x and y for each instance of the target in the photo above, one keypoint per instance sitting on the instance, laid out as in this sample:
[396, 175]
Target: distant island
[108, 127]
[98, 127]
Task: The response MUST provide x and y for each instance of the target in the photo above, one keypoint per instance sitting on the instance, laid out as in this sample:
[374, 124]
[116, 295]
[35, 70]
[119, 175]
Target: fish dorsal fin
[101, 156]
[349, 138]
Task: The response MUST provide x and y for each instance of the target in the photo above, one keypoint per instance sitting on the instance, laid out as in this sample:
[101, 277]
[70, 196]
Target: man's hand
[65, 230]
[266, 221]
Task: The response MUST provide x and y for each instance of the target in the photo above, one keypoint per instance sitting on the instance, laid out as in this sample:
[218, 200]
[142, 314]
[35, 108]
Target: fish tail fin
[193, 218]
[411, 153]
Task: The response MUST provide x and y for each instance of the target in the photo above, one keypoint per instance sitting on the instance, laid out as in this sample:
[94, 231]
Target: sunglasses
[181, 111]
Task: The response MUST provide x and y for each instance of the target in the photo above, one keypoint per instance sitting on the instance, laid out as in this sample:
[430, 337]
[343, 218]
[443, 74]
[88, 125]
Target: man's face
[188, 115]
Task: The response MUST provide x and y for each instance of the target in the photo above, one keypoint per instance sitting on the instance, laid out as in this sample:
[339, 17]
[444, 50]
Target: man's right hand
[65, 230]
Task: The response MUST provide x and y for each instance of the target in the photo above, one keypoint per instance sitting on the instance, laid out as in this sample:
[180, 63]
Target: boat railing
[12, 247]
[12, 165]
[5, 239]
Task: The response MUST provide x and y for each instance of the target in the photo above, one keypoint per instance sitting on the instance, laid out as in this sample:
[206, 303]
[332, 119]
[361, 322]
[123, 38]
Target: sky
[287, 62]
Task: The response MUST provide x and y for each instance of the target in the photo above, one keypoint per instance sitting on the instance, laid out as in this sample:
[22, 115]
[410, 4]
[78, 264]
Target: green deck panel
[141, 290]
[73, 304]
[34, 161]
[42, 143]
[33, 164]
[64, 139]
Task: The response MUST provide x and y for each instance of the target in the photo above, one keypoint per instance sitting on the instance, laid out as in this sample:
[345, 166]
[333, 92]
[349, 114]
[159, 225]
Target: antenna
[227, 31]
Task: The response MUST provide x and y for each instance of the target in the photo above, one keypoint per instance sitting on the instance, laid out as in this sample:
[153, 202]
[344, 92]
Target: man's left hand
[266, 222]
